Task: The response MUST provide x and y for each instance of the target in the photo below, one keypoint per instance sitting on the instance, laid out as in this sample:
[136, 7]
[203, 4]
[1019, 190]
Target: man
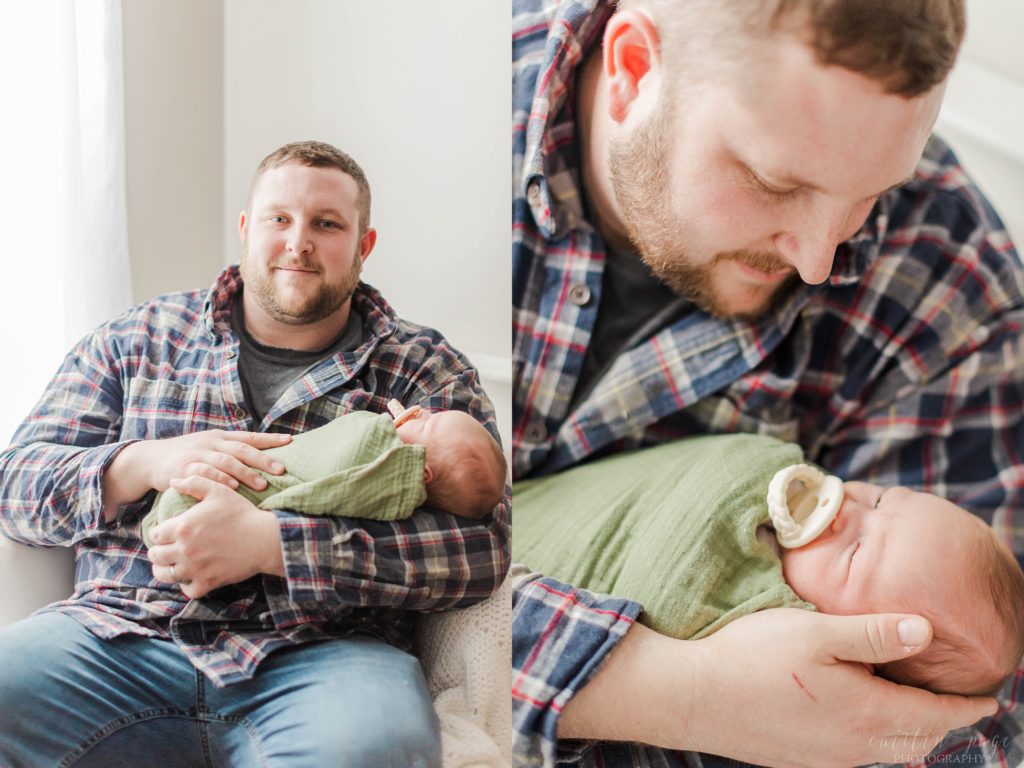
[730, 217]
[243, 636]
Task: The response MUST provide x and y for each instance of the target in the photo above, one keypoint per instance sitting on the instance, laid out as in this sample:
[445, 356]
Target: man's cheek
[732, 220]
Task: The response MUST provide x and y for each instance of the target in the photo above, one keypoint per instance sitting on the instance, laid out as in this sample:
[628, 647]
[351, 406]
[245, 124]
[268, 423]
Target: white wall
[174, 136]
[983, 115]
[419, 98]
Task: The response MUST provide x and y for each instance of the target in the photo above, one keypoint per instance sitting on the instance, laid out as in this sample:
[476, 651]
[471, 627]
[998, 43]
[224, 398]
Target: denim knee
[410, 739]
[32, 650]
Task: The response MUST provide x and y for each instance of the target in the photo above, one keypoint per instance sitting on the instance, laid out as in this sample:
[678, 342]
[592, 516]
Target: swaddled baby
[374, 466]
[675, 528]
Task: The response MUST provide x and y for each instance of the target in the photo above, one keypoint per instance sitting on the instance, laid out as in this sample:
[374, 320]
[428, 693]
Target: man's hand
[805, 697]
[783, 687]
[223, 539]
[222, 456]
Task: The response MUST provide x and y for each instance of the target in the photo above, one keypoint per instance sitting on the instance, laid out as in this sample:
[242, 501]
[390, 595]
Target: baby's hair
[973, 659]
[471, 482]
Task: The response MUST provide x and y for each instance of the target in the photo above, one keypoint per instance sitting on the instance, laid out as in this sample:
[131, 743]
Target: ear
[630, 53]
[241, 226]
[366, 243]
[428, 474]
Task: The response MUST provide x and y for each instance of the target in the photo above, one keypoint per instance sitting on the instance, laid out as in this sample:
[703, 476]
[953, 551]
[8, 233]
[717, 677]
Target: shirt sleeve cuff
[560, 637]
[90, 488]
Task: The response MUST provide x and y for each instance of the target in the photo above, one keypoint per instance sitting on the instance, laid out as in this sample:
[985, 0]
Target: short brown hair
[973, 659]
[908, 46]
[318, 154]
[469, 475]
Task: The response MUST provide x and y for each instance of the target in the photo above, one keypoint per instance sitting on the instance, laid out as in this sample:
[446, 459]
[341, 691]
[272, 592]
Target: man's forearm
[429, 562]
[125, 479]
[643, 693]
[51, 492]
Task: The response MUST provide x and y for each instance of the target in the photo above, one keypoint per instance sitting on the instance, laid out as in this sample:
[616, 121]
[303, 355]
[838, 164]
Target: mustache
[760, 260]
[304, 265]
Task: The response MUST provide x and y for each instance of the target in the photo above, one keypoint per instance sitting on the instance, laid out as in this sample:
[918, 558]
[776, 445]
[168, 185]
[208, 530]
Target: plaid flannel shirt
[170, 367]
[906, 367]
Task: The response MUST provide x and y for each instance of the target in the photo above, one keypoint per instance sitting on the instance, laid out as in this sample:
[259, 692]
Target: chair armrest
[31, 577]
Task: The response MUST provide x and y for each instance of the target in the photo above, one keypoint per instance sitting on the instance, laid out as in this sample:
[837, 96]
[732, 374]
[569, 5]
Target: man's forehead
[325, 188]
[823, 127]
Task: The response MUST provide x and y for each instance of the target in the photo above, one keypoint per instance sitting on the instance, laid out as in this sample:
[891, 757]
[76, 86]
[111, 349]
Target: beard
[320, 303]
[639, 168]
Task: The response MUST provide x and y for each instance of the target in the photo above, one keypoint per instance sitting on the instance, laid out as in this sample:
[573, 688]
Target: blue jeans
[70, 698]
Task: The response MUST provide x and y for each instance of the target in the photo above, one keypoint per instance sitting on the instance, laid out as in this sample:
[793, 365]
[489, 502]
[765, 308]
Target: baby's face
[888, 549]
[426, 428]
[417, 428]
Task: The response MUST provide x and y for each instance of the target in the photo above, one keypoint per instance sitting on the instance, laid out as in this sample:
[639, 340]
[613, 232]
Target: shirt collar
[550, 179]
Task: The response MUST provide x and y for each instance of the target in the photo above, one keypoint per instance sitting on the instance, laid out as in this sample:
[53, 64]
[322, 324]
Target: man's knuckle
[875, 637]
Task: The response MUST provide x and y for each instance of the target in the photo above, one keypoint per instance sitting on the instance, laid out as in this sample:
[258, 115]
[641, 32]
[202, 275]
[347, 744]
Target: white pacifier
[400, 413]
[802, 503]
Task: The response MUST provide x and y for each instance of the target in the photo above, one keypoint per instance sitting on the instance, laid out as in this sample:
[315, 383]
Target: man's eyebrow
[333, 212]
[784, 180]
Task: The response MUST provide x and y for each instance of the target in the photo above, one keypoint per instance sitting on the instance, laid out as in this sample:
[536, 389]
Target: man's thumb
[880, 637]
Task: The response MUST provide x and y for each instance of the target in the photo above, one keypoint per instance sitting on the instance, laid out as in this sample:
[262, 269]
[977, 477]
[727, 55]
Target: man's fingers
[259, 439]
[244, 473]
[254, 457]
[961, 711]
[875, 638]
[161, 554]
[906, 747]
[923, 719]
[166, 573]
[233, 462]
[218, 476]
[195, 486]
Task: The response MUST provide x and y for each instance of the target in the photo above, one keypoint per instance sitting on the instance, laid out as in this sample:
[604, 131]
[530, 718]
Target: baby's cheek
[806, 575]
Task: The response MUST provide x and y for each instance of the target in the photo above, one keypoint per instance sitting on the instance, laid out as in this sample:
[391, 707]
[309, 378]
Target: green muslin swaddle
[672, 527]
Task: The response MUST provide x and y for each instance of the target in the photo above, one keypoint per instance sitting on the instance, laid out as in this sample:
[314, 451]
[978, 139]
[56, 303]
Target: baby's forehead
[952, 550]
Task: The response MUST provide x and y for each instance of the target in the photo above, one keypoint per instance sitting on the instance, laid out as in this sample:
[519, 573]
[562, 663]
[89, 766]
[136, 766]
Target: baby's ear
[428, 473]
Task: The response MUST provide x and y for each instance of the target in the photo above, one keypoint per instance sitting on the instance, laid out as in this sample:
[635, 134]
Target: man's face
[302, 252]
[734, 190]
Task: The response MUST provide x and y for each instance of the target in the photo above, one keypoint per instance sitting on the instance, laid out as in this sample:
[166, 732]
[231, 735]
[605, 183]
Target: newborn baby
[370, 465]
[897, 550]
[675, 528]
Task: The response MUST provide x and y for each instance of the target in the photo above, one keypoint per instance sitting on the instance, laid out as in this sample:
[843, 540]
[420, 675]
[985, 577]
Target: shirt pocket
[158, 408]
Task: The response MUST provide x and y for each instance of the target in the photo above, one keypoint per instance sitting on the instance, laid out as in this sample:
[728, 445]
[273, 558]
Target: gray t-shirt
[634, 306]
[266, 372]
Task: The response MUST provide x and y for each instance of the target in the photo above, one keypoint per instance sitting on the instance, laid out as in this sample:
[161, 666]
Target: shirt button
[535, 433]
[579, 295]
[533, 193]
[231, 354]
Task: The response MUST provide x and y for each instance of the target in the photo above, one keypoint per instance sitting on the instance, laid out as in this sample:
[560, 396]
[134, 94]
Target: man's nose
[810, 243]
[299, 239]
[810, 253]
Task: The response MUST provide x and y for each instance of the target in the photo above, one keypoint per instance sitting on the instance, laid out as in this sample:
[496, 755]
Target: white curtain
[62, 188]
